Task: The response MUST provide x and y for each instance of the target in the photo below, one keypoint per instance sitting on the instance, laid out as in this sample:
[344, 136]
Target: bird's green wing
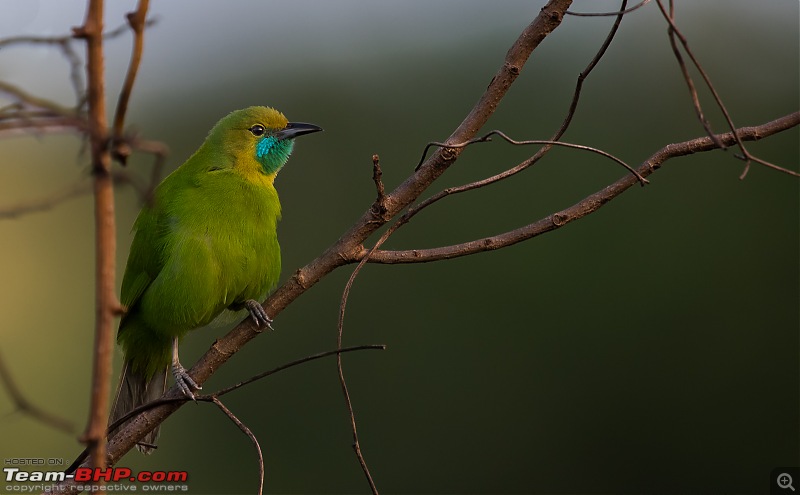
[144, 260]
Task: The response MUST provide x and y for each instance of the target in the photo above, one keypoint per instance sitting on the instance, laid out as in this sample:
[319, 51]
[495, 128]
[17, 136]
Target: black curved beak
[294, 129]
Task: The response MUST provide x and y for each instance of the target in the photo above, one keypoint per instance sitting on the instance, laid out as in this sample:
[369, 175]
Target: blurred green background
[651, 347]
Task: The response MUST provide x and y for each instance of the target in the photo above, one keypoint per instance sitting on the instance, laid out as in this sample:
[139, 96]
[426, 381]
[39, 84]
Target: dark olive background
[651, 347]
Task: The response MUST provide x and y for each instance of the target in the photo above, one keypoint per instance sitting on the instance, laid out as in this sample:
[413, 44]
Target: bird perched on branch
[206, 244]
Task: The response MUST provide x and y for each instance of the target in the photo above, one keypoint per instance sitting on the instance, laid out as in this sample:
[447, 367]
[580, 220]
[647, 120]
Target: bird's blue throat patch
[273, 153]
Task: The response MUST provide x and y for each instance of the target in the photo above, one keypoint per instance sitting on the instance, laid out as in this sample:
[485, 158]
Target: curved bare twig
[746, 155]
[620, 12]
[588, 205]
[488, 136]
[252, 438]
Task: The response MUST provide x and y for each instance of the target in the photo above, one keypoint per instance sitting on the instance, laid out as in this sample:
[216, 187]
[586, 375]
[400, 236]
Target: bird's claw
[257, 313]
[185, 382]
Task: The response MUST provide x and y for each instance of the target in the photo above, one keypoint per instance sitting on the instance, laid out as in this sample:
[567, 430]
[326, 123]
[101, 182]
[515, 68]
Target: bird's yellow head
[259, 135]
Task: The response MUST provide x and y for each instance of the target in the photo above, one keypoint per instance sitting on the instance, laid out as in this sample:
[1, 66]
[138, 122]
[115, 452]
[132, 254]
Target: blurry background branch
[24, 406]
[32, 114]
[88, 117]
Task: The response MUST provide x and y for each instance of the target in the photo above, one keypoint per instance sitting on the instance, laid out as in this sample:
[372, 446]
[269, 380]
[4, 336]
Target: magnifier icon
[785, 481]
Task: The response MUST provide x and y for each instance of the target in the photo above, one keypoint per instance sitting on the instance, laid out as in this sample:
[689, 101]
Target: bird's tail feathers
[134, 390]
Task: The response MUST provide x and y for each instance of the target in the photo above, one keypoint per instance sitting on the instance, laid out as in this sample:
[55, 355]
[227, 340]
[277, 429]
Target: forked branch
[588, 205]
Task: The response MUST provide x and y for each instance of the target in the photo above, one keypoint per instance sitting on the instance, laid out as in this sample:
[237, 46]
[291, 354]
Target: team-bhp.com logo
[88, 476]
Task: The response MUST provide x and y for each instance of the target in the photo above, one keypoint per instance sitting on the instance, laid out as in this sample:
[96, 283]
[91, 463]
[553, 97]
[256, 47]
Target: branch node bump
[449, 154]
[379, 208]
[560, 219]
[300, 278]
[79, 32]
[512, 69]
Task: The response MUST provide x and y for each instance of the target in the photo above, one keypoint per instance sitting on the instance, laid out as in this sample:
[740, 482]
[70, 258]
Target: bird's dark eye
[258, 130]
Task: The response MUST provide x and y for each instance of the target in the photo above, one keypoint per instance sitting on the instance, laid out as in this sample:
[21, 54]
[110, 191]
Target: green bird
[207, 243]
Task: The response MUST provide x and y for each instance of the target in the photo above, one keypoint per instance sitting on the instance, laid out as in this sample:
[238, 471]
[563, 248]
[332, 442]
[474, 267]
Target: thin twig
[77, 189]
[45, 203]
[544, 149]
[690, 83]
[746, 156]
[31, 100]
[75, 73]
[588, 205]
[291, 364]
[159, 151]
[137, 22]
[27, 407]
[343, 383]
[172, 399]
[620, 12]
[487, 138]
[250, 435]
[65, 44]
[58, 40]
[41, 125]
[377, 178]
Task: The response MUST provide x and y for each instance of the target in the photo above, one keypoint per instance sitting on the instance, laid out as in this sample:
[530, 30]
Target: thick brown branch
[586, 206]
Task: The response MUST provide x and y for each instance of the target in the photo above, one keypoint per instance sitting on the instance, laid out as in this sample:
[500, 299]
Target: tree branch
[137, 22]
[75, 190]
[27, 407]
[209, 397]
[106, 305]
[450, 191]
[746, 155]
[588, 205]
[620, 12]
[252, 438]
